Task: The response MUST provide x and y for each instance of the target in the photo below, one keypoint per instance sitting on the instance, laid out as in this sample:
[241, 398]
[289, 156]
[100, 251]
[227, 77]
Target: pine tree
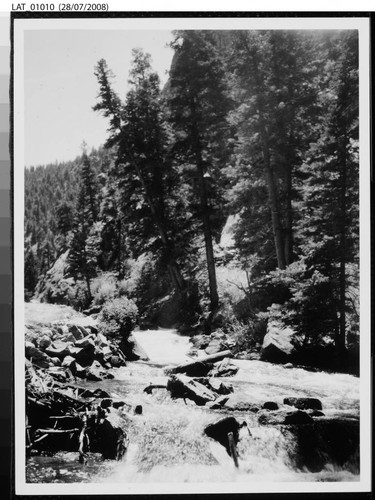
[31, 272]
[109, 103]
[331, 192]
[274, 83]
[141, 170]
[83, 253]
[198, 105]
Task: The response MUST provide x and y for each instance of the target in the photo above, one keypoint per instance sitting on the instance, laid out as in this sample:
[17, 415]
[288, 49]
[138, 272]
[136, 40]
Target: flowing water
[167, 443]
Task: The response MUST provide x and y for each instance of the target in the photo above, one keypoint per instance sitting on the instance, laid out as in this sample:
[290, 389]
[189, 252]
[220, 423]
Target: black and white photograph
[192, 254]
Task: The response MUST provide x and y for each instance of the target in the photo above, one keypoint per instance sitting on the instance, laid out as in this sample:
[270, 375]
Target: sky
[61, 88]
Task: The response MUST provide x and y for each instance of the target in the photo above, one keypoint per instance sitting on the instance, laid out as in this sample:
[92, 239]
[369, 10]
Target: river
[167, 444]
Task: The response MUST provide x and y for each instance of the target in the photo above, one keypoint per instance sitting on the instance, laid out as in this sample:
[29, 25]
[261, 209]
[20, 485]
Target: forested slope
[261, 126]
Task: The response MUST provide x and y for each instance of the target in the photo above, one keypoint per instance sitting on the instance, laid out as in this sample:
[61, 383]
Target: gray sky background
[60, 86]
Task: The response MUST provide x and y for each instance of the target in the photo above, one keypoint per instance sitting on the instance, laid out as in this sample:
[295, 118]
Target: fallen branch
[57, 431]
[233, 448]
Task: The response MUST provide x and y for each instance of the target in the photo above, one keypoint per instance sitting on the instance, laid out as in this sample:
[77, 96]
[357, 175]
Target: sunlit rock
[277, 344]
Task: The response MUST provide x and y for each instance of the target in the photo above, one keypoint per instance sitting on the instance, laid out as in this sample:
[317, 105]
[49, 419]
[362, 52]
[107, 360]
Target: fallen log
[151, 387]
[57, 431]
[200, 366]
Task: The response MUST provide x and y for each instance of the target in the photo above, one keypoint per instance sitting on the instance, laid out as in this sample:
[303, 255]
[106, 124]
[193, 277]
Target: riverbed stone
[224, 368]
[84, 355]
[240, 402]
[86, 343]
[37, 356]
[76, 331]
[218, 403]
[181, 386]
[80, 371]
[95, 371]
[102, 340]
[270, 405]
[58, 349]
[219, 431]
[304, 403]
[219, 386]
[214, 347]
[132, 350]
[44, 342]
[116, 361]
[58, 373]
[283, 417]
[69, 362]
[61, 329]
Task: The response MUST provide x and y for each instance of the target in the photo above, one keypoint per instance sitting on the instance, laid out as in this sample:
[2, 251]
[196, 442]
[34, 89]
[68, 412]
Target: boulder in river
[219, 386]
[218, 403]
[270, 405]
[116, 361]
[224, 368]
[304, 403]
[132, 350]
[327, 441]
[97, 372]
[111, 438]
[283, 417]
[240, 402]
[219, 431]
[277, 344]
[181, 386]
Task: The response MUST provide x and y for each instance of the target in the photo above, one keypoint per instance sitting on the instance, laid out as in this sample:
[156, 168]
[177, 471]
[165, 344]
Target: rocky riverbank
[76, 378]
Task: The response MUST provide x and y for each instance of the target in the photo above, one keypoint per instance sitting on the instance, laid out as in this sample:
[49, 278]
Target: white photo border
[362, 24]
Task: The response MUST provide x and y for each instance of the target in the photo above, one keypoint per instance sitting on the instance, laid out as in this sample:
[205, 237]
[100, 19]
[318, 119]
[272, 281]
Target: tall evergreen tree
[331, 192]
[198, 106]
[82, 258]
[109, 102]
[274, 83]
[141, 170]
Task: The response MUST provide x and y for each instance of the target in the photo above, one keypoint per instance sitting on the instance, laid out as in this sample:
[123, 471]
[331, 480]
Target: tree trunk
[288, 238]
[277, 227]
[272, 196]
[340, 339]
[205, 215]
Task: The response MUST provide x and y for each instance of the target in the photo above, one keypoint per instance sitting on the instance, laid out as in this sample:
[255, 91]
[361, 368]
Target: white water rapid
[167, 442]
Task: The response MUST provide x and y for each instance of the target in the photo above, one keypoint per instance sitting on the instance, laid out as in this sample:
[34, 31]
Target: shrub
[117, 318]
[104, 289]
[247, 335]
[77, 295]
